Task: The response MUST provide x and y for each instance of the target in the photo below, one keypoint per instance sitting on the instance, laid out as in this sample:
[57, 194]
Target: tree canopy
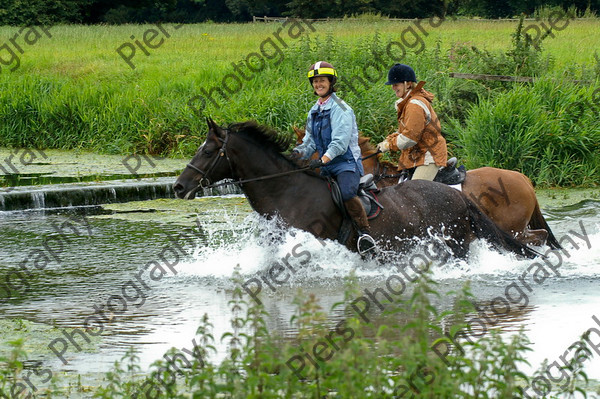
[34, 12]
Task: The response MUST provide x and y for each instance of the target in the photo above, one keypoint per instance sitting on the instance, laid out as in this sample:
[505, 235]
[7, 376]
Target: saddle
[448, 174]
[367, 192]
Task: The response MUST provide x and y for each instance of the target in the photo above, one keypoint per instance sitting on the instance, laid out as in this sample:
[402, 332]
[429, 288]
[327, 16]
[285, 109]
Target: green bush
[98, 103]
[378, 361]
[549, 131]
[388, 354]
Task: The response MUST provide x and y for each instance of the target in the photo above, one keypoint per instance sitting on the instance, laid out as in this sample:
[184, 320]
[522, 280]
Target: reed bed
[73, 90]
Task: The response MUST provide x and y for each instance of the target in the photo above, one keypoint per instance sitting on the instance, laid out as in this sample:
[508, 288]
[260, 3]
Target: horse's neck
[298, 198]
[272, 190]
[253, 165]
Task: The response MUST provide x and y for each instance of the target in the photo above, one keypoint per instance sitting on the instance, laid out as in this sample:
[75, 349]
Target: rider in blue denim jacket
[331, 131]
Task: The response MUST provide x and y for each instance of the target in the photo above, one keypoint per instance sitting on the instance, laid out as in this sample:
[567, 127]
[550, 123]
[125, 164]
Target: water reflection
[93, 268]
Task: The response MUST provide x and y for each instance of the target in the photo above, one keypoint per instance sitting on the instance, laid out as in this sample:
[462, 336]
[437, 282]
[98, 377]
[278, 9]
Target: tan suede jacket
[417, 121]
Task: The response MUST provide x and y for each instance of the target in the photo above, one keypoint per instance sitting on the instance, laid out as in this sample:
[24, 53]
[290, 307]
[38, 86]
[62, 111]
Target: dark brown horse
[415, 209]
[505, 196]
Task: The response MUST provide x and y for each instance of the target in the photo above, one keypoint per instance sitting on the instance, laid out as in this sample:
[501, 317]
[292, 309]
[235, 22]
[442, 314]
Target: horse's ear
[211, 123]
[299, 134]
[216, 129]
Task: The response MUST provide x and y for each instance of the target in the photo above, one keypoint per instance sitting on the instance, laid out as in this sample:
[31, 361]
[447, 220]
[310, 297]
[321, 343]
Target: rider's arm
[341, 131]
[410, 128]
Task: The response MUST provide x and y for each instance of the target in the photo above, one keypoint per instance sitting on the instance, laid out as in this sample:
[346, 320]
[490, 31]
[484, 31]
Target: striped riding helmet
[322, 68]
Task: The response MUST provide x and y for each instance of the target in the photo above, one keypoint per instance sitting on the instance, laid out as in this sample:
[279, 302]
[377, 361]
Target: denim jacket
[336, 138]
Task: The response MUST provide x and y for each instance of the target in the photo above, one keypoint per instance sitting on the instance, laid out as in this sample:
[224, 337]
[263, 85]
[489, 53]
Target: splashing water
[256, 244]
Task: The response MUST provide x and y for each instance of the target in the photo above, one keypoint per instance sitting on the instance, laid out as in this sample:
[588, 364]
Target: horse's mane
[261, 134]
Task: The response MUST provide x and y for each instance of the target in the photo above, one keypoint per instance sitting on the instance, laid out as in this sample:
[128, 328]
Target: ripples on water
[557, 313]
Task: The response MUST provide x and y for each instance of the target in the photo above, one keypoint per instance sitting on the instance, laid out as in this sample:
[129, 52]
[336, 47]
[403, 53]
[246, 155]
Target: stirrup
[365, 243]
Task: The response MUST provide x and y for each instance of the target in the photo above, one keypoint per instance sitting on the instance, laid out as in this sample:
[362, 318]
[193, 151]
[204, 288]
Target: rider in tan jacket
[419, 132]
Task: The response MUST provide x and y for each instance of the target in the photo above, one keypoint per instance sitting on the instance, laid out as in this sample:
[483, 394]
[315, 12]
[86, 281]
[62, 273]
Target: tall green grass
[74, 91]
[549, 131]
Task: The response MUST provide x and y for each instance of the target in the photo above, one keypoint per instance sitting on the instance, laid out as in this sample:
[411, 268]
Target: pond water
[63, 267]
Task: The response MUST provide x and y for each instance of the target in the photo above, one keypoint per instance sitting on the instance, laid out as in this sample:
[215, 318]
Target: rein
[257, 178]
[223, 153]
[380, 176]
[371, 155]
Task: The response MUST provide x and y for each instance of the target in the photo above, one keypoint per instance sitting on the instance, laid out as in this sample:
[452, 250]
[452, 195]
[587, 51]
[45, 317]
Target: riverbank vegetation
[354, 356]
[74, 90]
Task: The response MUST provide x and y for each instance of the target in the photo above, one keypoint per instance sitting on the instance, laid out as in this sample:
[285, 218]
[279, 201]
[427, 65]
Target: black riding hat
[400, 73]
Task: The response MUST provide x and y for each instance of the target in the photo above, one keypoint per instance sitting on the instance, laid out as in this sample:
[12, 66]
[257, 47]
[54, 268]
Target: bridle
[377, 176]
[205, 182]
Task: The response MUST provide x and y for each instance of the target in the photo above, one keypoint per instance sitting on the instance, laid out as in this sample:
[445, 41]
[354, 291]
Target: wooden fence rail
[506, 78]
[501, 78]
[283, 19]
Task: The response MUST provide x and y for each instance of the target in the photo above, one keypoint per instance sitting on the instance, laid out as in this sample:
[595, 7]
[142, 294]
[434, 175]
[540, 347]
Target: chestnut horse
[505, 196]
[277, 187]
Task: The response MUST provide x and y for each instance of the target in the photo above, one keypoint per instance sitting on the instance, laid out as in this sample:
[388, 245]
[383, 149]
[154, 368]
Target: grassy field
[74, 90]
[79, 51]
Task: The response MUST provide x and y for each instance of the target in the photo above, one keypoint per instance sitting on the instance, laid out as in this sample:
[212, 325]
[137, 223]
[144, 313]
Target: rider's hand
[384, 146]
[315, 163]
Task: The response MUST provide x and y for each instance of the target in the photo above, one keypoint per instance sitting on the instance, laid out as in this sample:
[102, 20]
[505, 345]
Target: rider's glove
[384, 146]
[315, 163]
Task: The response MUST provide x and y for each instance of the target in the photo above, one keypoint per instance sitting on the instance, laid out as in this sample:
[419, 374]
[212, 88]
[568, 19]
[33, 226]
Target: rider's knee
[426, 172]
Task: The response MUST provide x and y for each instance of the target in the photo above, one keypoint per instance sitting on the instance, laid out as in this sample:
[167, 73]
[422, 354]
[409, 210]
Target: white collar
[400, 100]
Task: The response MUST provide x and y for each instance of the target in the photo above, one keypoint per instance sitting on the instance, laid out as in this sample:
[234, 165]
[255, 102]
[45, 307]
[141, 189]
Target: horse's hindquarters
[505, 196]
[416, 210]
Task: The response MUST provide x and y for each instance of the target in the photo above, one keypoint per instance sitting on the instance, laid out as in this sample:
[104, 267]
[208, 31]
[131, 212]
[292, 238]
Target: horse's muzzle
[181, 192]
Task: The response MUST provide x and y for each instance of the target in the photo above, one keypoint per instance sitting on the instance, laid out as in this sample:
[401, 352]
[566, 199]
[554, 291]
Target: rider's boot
[356, 211]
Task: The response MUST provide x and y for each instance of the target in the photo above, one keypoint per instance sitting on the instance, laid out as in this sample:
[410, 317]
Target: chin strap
[329, 92]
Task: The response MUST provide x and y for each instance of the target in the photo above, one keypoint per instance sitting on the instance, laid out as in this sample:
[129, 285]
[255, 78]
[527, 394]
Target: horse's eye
[207, 152]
